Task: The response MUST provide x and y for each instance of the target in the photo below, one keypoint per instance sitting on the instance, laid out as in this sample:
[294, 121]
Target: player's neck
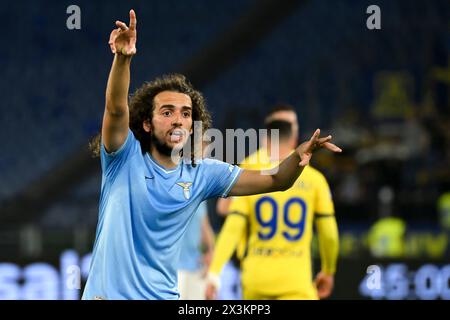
[168, 162]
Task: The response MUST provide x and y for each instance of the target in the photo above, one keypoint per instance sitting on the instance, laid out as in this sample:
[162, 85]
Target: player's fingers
[133, 20]
[324, 293]
[321, 288]
[321, 294]
[332, 147]
[128, 51]
[315, 136]
[121, 25]
[131, 51]
[305, 160]
[113, 35]
[112, 38]
[321, 141]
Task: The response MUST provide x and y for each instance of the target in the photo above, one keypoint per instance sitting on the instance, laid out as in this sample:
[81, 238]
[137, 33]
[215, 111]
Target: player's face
[172, 119]
[288, 116]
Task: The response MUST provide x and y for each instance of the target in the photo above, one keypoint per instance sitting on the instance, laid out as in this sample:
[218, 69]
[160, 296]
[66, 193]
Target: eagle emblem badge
[186, 190]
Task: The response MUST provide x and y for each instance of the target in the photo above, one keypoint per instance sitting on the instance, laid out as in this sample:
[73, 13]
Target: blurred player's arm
[227, 242]
[327, 232]
[207, 242]
[222, 206]
[116, 117]
[255, 181]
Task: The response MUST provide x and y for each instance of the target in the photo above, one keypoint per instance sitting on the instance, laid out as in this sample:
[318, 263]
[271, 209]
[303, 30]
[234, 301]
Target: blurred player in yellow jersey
[279, 228]
[260, 159]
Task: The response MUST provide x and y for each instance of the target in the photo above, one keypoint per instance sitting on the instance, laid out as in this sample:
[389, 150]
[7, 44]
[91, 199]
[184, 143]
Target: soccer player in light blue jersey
[148, 196]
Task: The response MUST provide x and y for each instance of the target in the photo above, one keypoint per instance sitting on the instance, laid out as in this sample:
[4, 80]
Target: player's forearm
[287, 172]
[118, 85]
[328, 243]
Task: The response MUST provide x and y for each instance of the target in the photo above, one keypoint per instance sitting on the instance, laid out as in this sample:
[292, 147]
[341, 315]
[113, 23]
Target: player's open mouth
[176, 135]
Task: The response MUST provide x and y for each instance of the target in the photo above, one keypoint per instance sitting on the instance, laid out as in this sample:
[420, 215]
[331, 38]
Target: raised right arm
[116, 117]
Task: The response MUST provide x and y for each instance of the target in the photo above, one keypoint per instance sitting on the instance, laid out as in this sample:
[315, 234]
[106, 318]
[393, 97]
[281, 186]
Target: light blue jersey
[144, 212]
[190, 256]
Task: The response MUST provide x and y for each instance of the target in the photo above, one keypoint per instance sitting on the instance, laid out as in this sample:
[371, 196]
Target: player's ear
[147, 125]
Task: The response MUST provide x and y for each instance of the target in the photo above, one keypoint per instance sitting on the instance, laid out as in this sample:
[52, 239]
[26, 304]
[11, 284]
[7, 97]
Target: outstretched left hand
[306, 149]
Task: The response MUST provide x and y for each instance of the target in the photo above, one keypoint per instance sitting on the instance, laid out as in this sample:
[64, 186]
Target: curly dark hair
[141, 109]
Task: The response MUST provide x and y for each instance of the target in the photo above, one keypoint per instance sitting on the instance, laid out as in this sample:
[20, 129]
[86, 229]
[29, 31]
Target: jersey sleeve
[220, 176]
[227, 241]
[327, 232]
[111, 162]
[324, 199]
[240, 206]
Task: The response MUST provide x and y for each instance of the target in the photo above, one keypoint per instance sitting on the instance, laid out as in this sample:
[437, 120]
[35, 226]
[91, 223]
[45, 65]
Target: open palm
[123, 39]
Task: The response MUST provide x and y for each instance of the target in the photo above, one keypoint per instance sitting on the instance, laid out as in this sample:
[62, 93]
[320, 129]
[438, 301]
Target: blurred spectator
[386, 236]
[444, 211]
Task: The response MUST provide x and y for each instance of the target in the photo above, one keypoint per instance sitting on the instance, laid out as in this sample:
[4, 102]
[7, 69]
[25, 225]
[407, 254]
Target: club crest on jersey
[186, 191]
